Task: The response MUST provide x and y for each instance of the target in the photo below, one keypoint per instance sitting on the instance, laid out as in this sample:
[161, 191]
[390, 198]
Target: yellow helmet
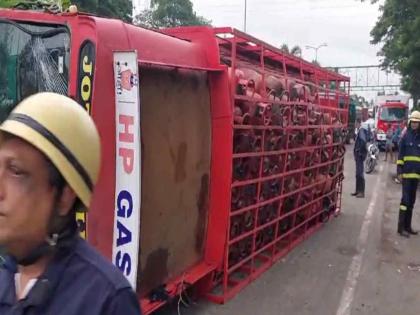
[415, 116]
[61, 129]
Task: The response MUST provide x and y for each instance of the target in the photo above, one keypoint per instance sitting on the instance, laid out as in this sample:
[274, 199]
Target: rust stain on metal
[202, 207]
[180, 172]
[155, 272]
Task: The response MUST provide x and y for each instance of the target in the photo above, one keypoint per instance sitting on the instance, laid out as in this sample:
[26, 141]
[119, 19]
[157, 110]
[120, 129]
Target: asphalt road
[356, 264]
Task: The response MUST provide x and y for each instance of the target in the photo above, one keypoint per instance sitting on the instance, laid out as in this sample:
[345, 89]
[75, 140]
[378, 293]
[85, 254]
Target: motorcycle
[372, 158]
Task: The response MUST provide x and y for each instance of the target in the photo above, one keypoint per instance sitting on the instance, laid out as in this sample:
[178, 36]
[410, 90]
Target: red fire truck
[391, 111]
[220, 152]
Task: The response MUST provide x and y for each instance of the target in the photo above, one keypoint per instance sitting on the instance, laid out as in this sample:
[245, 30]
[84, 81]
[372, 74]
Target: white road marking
[347, 296]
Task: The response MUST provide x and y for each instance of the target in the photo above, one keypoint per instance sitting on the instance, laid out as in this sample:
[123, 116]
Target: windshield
[33, 58]
[393, 114]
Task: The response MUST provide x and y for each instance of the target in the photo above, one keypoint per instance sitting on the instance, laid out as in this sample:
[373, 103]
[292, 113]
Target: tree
[3, 69]
[119, 9]
[285, 48]
[397, 29]
[9, 3]
[295, 51]
[170, 13]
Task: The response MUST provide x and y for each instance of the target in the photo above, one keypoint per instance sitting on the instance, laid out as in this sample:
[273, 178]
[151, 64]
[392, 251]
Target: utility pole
[245, 17]
[316, 49]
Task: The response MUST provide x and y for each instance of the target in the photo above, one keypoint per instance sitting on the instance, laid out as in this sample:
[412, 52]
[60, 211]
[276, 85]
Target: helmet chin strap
[47, 247]
[53, 242]
[56, 235]
[37, 253]
[61, 235]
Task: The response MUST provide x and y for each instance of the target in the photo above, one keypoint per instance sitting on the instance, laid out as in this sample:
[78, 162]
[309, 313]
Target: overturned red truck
[220, 152]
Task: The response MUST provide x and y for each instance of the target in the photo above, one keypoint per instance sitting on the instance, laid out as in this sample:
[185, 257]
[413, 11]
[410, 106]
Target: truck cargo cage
[289, 118]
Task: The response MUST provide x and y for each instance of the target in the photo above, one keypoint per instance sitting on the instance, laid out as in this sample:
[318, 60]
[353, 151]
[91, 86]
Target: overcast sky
[344, 25]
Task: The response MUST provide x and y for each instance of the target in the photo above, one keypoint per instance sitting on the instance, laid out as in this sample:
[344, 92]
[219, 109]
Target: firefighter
[360, 154]
[49, 163]
[408, 170]
[401, 136]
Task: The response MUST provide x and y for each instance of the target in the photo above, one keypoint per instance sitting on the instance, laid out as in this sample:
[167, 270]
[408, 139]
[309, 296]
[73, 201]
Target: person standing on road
[402, 134]
[396, 137]
[408, 170]
[389, 143]
[360, 154]
[49, 165]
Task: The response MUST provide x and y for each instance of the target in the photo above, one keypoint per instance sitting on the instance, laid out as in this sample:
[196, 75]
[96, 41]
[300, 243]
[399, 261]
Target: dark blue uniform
[408, 166]
[360, 154]
[78, 281]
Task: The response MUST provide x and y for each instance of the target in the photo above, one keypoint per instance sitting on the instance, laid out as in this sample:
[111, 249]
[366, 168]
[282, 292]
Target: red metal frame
[232, 277]
[202, 49]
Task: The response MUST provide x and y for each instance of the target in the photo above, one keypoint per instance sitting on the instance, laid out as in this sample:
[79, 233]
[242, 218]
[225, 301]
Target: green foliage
[3, 69]
[86, 5]
[119, 9]
[285, 48]
[295, 50]
[398, 29]
[359, 100]
[8, 3]
[34, 4]
[170, 13]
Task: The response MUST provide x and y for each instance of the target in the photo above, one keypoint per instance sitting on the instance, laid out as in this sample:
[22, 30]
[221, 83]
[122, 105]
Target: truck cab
[390, 113]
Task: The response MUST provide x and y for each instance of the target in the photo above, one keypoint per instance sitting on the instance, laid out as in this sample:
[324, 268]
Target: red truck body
[394, 122]
[188, 115]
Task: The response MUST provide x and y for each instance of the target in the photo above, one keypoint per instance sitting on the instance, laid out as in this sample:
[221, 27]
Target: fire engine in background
[220, 152]
[390, 110]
